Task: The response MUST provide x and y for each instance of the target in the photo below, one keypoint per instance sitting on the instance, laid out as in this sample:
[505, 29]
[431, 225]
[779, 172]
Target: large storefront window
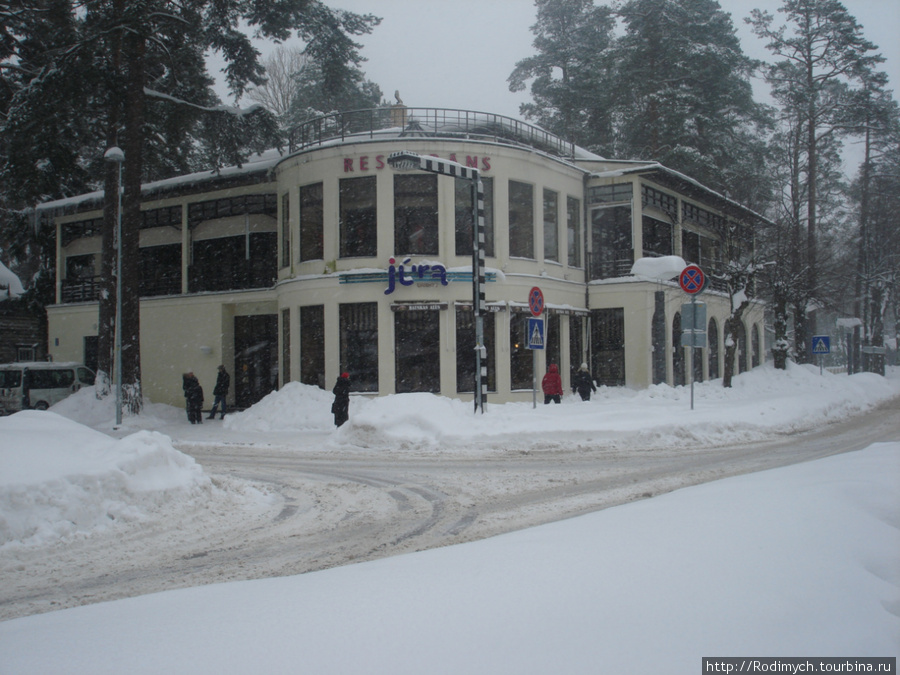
[551, 225]
[359, 344]
[678, 368]
[417, 351]
[463, 208]
[311, 223]
[573, 231]
[415, 215]
[521, 220]
[312, 345]
[576, 343]
[612, 252]
[521, 364]
[608, 346]
[358, 225]
[465, 350]
[552, 342]
[712, 342]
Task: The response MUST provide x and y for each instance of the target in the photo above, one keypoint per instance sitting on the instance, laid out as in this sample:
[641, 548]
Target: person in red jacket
[552, 385]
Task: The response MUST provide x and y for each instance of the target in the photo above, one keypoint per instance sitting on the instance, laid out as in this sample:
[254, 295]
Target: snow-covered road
[274, 511]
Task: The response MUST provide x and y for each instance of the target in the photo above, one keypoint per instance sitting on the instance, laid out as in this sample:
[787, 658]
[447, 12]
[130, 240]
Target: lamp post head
[114, 154]
[405, 161]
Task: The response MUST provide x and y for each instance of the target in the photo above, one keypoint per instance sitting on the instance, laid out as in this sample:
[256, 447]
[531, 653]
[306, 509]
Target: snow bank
[662, 268]
[58, 478]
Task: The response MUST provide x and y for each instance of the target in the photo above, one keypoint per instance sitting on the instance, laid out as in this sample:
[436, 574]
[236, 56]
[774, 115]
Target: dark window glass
[465, 350]
[551, 225]
[608, 346]
[521, 220]
[311, 222]
[576, 343]
[358, 226]
[463, 200]
[417, 350]
[573, 231]
[657, 237]
[520, 357]
[359, 344]
[234, 263]
[712, 342]
[415, 215]
[160, 270]
[285, 230]
[612, 253]
[606, 194]
[285, 346]
[312, 345]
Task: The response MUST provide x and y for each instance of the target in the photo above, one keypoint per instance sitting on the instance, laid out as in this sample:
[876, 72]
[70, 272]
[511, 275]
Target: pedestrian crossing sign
[821, 344]
[535, 333]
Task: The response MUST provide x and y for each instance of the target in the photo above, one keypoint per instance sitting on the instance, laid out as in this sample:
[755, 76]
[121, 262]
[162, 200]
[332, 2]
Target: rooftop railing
[403, 122]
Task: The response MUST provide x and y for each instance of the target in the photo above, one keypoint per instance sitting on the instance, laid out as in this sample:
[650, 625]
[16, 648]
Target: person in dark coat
[582, 383]
[193, 396]
[220, 391]
[552, 385]
[341, 405]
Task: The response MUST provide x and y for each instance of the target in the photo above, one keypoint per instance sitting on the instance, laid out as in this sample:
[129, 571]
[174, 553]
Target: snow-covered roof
[10, 284]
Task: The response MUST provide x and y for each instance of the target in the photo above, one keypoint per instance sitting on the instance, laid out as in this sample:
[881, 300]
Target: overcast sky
[459, 53]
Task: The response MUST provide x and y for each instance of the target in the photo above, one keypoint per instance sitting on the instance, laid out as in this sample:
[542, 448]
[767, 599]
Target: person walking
[220, 392]
[193, 396]
[582, 383]
[341, 405]
[551, 384]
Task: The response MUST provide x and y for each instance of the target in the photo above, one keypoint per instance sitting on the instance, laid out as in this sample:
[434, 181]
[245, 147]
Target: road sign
[535, 333]
[821, 344]
[692, 279]
[693, 316]
[536, 301]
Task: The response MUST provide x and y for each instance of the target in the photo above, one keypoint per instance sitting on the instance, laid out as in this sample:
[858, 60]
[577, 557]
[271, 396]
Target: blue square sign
[821, 344]
[535, 333]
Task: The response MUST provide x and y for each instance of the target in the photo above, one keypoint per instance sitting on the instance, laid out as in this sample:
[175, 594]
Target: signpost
[821, 345]
[535, 335]
[693, 281]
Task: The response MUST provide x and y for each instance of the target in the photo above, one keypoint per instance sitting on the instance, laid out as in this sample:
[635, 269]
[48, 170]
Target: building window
[160, 270]
[573, 231]
[521, 359]
[358, 226]
[359, 344]
[551, 225]
[657, 237]
[312, 345]
[227, 207]
[552, 342]
[285, 230]
[678, 372]
[712, 345]
[417, 351]
[754, 346]
[465, 350]
[312, 222]
[608, 346]
[576, 343]
[660, 200]
[463, 200]
[521, 220]
[415, 215]
[612, 254]
[80, 230]
[234, 263]
[285, 346]
[169, 216]
[610, 194]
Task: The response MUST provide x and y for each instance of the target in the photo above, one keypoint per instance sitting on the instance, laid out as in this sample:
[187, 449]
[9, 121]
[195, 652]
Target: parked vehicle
[37, 385]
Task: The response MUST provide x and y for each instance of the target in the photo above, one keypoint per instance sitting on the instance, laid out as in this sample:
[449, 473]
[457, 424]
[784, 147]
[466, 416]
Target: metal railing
[425, 123]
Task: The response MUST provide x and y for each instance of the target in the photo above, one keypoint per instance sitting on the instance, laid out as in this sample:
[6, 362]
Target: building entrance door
[255, 358]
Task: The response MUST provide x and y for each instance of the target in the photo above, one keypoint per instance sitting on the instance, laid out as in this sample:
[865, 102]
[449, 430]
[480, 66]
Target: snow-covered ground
[793, 562]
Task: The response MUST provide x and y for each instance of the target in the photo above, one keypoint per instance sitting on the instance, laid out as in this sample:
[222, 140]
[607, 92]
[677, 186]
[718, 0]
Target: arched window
[741, 355]
[754, 345]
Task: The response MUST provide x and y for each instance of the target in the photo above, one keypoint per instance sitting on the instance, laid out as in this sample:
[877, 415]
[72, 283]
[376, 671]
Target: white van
[39, 384]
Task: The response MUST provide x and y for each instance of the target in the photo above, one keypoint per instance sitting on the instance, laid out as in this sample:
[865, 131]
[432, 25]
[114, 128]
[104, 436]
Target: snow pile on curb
[58, 478]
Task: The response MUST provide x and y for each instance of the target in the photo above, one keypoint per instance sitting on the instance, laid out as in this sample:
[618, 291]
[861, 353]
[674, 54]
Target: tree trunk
[131, 220]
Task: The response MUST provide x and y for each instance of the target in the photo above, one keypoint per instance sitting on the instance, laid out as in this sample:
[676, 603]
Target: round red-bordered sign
[536, 301]
[692, 279]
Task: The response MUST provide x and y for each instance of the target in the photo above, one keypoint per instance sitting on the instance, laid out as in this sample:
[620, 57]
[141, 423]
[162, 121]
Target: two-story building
[323, 259]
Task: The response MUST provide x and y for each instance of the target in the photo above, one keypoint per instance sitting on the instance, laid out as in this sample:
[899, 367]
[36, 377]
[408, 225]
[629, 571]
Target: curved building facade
[298, 267]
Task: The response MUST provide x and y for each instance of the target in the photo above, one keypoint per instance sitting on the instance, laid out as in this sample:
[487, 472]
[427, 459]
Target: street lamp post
[412, 161]
[115, 154]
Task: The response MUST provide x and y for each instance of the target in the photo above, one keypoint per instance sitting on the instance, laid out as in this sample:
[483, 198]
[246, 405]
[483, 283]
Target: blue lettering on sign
[416, 273]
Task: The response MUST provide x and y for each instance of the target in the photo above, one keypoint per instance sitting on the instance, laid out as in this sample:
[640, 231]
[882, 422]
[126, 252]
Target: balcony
[426, 123]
